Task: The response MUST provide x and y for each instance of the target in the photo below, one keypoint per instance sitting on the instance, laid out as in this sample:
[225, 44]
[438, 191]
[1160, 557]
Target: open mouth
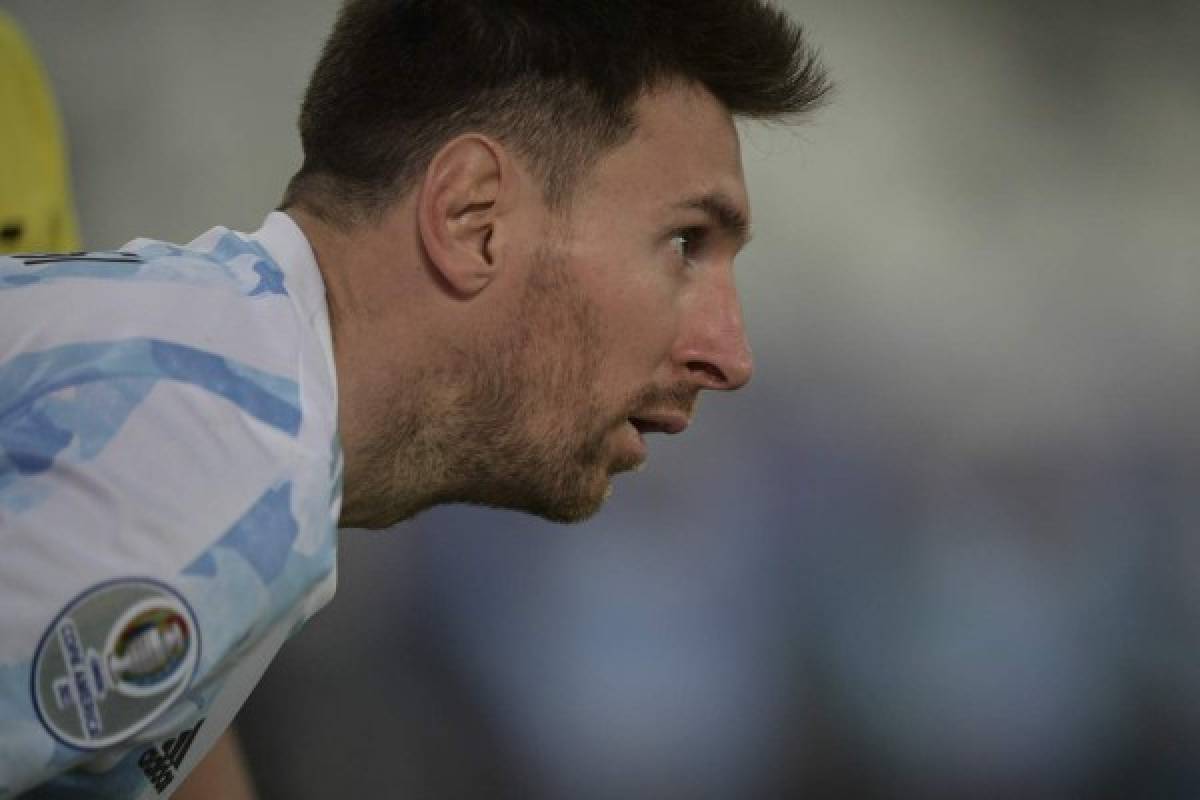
[644, 426]
[660, 423]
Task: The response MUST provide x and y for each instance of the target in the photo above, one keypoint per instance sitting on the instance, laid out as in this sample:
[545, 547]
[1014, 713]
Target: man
[507, 257]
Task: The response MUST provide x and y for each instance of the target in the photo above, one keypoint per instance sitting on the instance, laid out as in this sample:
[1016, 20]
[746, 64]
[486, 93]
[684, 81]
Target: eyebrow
[728, 217]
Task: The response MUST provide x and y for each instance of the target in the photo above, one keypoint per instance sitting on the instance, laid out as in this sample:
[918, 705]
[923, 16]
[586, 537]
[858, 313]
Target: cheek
[635, 302]
[641, 330]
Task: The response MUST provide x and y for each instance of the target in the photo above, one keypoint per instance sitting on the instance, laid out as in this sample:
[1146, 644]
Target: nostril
[710, 374]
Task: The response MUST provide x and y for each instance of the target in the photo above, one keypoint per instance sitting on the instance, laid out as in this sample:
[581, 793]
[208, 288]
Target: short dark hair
[555, 80]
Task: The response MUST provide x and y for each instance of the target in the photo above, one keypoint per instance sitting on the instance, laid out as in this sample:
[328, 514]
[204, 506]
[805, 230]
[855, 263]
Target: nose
[713, 347]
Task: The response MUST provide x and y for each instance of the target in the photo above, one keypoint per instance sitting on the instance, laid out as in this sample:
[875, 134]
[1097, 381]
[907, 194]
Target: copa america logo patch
[113, 659]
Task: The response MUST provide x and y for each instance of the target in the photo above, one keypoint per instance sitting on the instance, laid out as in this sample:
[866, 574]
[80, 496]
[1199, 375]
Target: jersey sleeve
[165, 523]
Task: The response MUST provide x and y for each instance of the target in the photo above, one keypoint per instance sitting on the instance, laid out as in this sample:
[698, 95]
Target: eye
[688, 243]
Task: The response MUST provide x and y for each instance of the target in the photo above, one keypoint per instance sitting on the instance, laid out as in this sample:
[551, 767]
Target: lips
[660, 422]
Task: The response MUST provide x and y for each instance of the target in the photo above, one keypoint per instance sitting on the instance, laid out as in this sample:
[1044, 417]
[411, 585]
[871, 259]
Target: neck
[389, 401]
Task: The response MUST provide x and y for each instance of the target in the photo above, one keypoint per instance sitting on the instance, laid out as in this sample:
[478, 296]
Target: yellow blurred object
[36, 211]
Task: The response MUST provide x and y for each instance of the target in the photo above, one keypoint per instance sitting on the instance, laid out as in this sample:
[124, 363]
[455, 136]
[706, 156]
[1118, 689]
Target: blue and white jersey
[170, 483]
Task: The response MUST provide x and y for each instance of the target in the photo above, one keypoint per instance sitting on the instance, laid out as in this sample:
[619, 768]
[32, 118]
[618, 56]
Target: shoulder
[166, 460]
[153, 344]
[214, 315]
[220, 260]
[175, 381]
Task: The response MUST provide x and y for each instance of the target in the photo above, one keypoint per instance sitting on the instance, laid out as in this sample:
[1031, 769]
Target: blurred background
[945, 545]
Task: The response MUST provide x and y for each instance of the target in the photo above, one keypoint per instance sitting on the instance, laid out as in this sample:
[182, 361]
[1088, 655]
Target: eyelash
[693, 240]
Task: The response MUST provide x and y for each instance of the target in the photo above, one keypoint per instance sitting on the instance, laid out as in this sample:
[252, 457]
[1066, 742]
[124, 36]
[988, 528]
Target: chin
[575, 509]
[569, 516]
[576, 504]
[586, 499]
[567, 493]
[566, 512]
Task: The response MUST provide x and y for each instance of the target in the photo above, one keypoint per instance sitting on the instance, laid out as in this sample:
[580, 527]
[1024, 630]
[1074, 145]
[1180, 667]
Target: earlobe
[458, 208]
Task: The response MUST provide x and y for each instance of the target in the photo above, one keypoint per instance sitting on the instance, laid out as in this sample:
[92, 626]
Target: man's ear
[457, 210]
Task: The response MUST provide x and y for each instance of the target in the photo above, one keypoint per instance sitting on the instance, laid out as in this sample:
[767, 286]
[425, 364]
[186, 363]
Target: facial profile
[595, 325]
[531, 269]
[624, 319]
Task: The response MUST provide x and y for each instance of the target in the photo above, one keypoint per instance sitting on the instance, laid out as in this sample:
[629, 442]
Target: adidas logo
[159, 763]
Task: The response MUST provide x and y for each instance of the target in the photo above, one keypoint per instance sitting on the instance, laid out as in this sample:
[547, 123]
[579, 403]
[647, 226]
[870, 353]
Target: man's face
[626, 315]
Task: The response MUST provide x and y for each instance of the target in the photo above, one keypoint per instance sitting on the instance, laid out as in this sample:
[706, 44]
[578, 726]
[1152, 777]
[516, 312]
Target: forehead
[685, 146]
